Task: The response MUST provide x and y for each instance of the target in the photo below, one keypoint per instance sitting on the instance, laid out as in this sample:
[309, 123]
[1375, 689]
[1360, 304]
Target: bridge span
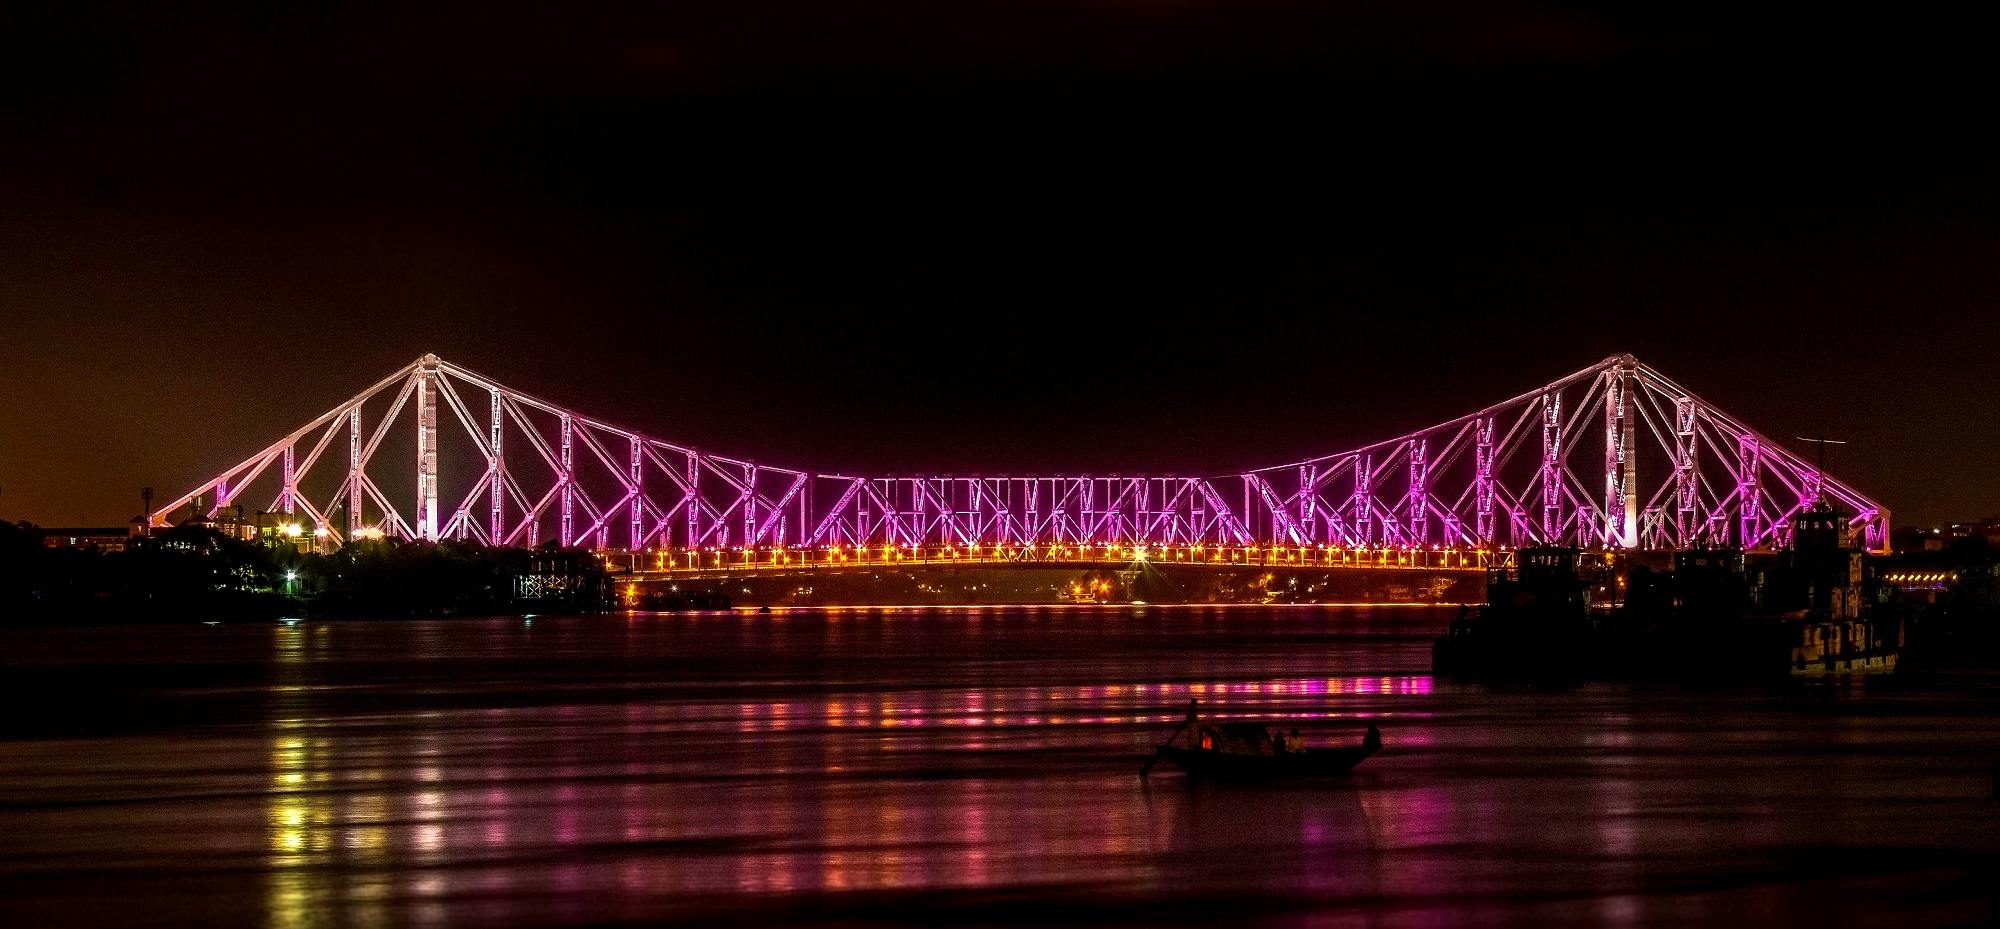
[720, 561]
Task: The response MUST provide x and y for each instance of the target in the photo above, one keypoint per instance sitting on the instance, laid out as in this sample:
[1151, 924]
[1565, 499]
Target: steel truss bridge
[1615, 456]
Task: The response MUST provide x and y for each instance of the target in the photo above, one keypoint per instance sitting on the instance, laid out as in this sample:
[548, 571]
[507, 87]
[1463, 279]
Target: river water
[952, 766]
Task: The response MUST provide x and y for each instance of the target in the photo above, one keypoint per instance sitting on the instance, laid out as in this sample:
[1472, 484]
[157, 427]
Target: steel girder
[1704, 479]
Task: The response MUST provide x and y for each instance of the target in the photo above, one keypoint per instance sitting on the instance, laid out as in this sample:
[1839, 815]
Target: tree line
[194, 573]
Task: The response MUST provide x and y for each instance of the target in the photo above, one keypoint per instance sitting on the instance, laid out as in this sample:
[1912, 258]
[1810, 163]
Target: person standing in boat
[1199, 734]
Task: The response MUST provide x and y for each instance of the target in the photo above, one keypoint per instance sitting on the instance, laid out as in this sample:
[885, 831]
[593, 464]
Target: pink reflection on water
[709, 771]
[1282, 698]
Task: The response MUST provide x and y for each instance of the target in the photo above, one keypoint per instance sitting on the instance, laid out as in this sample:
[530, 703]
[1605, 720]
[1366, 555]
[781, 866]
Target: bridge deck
[784, 559]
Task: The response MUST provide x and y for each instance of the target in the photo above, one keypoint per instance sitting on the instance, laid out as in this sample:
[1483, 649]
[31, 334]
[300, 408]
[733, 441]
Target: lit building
[101, 538]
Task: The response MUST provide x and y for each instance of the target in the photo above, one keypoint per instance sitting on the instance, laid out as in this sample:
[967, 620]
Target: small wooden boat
[1248, 750]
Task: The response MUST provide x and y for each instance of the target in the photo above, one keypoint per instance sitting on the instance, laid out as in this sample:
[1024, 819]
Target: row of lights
[1933, 578]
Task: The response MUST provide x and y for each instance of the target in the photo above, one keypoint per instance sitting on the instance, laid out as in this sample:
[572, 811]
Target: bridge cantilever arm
[160, 515]
[1509, 403]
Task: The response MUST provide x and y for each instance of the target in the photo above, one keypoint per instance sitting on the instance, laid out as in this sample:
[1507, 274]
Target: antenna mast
[1819, 474]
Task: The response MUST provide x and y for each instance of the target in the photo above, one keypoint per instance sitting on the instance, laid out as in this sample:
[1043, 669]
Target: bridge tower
[693, 494]
[638, 495]
[1482, 480]
[353, 472]
[496, 472]
[1308, 478]
[289, 490]
[427, 451]
[1419, 495]
[568, 480]
[1621, 489]
[1364, 496]
[1552, 469]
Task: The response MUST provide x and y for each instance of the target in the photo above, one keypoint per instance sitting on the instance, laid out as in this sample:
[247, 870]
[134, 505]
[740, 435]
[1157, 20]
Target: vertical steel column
[353, 471]
[1144, 531]
[1420, 490]
[749, 506]
[861, 512]
[497, 472]
[1198, 517]
[974, 500]
[1088, 532]
[221, 498]
[291, 484]
[1364, 497]
[694, 500]
[1135, 488]
[1031, 528]
[568, 480]
[1482, 480]
[1249, 513]
[638, 494]
[1750, 489]
[1621, 495]
[427, 449]
[1686, 479]
[1308, 481]
[1552, 469]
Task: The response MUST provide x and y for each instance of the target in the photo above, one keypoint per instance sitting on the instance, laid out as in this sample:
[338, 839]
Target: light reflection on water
[740, 768]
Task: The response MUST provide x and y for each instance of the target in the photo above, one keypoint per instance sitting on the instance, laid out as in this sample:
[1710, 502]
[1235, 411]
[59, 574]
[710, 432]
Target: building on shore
[101, 538]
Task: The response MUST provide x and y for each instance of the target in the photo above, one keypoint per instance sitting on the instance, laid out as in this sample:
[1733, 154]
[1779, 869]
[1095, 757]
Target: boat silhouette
[1248, 750]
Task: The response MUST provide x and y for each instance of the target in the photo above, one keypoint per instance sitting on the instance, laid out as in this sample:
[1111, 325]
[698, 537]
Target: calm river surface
[951, 766]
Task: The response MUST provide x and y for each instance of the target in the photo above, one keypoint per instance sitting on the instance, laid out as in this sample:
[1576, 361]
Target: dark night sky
[992, 236]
